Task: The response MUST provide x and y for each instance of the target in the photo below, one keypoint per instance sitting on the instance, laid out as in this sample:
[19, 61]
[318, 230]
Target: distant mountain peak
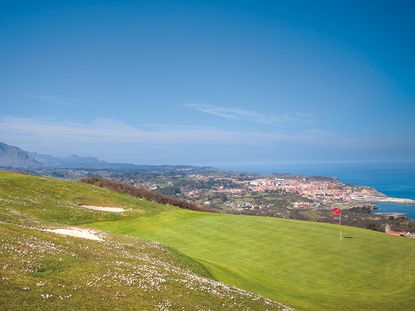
[12, 156]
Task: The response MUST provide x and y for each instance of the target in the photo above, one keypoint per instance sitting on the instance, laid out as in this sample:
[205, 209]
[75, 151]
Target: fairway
[302, 264]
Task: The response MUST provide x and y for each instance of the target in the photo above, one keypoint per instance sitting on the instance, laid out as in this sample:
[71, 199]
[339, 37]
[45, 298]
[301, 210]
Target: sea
[393, 179]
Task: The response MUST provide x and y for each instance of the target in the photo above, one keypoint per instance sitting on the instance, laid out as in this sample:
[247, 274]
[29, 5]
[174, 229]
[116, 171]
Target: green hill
[41, 270]
[301, 264]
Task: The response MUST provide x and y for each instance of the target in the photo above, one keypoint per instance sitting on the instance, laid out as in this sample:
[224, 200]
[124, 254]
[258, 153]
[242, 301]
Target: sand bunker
[79, 233]
[105, 208]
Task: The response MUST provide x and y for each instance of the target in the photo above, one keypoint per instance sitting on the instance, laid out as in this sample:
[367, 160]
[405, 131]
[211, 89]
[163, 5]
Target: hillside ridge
[42, 267]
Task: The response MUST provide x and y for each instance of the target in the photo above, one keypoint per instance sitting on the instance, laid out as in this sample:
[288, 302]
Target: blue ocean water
[393, 179]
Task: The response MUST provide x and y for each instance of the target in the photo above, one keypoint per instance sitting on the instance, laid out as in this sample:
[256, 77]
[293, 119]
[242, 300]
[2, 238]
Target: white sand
[104, 208]
[79, 233]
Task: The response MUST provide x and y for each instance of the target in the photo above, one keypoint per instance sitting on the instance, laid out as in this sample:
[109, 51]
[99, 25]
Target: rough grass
[46, 271]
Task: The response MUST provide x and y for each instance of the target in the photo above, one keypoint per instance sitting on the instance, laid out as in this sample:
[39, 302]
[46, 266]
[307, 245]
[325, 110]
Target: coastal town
[310, 191]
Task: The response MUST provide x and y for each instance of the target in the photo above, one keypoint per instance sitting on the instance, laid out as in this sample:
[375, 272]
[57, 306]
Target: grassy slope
[46, 271]
[302, 264]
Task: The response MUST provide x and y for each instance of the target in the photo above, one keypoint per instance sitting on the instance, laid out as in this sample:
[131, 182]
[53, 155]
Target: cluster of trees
[144, 193]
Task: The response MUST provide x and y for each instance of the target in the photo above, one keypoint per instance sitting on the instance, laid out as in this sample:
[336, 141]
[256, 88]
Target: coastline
[394, 200]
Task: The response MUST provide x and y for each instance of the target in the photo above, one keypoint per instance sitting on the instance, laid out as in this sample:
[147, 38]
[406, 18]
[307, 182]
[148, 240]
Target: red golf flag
[336, 211]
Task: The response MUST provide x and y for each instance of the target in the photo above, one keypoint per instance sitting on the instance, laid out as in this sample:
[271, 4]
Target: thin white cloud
[120, 140]
[113, 131]
[249, 115]
[57, 100]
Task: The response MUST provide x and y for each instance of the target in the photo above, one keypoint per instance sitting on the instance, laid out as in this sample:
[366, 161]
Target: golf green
[302, 264]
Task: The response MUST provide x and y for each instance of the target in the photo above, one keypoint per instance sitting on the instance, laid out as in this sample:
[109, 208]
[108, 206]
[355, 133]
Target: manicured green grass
[302, 264]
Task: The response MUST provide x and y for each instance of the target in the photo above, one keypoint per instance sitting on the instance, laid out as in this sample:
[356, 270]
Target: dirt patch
[104, 208]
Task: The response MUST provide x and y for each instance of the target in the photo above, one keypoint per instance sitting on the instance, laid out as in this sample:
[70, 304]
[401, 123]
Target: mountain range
[15, 157]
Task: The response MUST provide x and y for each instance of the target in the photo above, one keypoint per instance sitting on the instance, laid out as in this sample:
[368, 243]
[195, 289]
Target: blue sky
[210, 82]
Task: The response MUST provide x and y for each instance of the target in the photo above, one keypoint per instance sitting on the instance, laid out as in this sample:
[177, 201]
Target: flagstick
[340, 223]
